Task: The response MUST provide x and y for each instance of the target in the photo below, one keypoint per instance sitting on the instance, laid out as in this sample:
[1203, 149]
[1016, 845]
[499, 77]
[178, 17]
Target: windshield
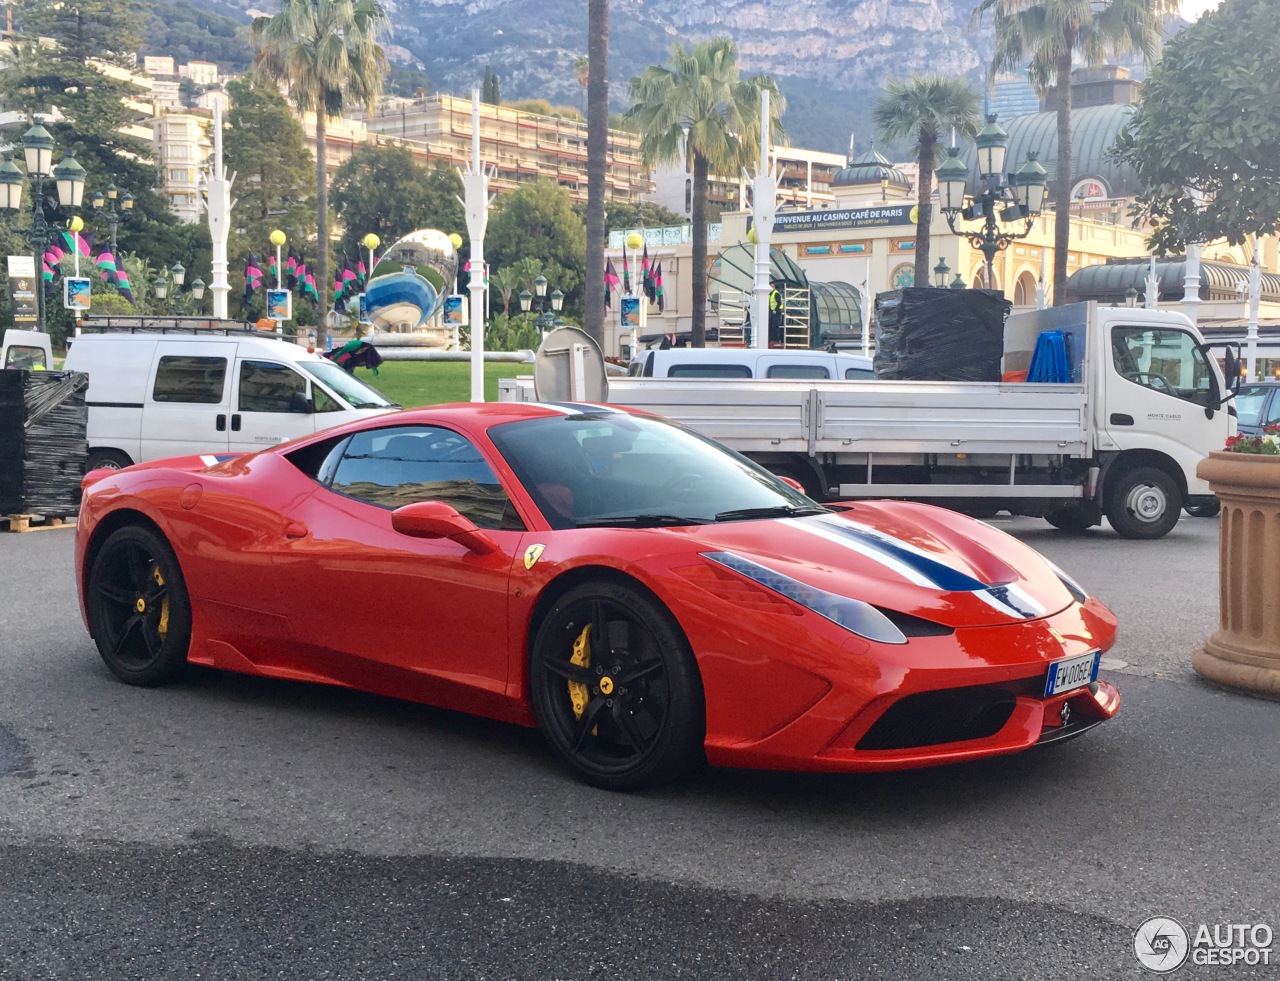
[350, 388]
[616, 469]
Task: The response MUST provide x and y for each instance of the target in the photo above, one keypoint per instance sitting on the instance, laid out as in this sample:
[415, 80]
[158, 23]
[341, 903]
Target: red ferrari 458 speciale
[647, 598]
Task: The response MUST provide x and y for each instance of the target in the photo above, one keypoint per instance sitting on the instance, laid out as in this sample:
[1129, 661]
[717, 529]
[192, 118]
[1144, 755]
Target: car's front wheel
[138, 607]
[615, 688]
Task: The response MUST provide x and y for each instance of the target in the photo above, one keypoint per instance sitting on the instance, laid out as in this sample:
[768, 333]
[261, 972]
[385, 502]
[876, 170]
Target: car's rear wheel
[624, 713]
[138, 607]
[1210, 510]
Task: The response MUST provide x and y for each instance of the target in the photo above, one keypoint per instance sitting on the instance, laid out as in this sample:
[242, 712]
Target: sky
[1192, 9]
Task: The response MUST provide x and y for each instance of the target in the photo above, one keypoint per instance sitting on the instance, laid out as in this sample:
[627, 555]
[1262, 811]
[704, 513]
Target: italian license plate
[1071, 673]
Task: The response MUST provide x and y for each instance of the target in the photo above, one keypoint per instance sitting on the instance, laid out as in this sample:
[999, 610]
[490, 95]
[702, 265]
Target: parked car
[644, 596]
[161, 392]
[29, 349]
[741, 362]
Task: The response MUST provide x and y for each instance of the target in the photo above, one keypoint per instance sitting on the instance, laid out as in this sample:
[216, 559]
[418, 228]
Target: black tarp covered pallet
[43, 450]
[927, 334]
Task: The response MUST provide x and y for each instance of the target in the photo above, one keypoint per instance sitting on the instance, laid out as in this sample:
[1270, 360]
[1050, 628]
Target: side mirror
[791, 482]
[1231, 369]
[435, 519]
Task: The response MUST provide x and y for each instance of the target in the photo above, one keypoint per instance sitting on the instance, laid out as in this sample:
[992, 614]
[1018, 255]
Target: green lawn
[413, 383]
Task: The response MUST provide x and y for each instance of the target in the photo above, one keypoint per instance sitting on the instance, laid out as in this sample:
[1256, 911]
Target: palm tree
[326, 52]
[506, 279]
[597, 152]
[1048, 34]
[700, 112]
[923, 109]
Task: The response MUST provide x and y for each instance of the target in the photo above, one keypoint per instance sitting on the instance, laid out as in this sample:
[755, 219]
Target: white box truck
[158, 388]
[1146, 402]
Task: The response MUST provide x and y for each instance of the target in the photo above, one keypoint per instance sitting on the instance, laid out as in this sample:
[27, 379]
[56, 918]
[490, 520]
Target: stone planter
[1244, 652]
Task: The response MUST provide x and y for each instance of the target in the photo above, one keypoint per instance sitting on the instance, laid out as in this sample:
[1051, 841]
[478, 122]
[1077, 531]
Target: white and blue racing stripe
[916, 566]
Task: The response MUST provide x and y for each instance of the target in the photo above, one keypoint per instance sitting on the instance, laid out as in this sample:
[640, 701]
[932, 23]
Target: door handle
[235, 422]
[220, 423]
[295, 529]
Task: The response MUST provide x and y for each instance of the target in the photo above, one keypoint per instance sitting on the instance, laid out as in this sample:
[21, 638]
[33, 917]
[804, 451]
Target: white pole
[866, 310]
[1251, 334]
[1153, 287]
[1191, 286]
[764, 191]
[1042, 294]
[219, 204]
[475, 184]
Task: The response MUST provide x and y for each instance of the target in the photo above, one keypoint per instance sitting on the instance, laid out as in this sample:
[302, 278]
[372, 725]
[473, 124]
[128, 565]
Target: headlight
[854, 615]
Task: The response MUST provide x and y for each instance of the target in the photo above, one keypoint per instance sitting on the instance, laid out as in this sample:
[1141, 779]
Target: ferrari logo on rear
[532, 554]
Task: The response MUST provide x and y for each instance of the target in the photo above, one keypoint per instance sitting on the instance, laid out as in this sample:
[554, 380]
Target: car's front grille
[934, 717]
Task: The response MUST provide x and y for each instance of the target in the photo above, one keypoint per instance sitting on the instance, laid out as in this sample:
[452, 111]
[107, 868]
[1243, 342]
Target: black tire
[635, 718]
[138, 607]
[105, 459]
[1204, 510]
[1143, 503]
[1074, 519]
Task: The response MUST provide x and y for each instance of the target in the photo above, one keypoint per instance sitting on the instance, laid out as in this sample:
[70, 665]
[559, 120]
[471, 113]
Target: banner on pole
[22, 289]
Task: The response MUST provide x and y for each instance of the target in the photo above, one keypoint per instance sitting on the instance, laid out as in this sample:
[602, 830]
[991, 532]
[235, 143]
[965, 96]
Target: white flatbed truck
[1146, 402]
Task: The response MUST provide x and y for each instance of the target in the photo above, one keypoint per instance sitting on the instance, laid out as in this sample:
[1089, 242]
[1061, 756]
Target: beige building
[524, 146]
[182, 145]
[804, 181]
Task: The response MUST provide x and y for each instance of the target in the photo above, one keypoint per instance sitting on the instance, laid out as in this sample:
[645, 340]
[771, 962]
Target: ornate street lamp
[68, 179]
[1005, 197]
[940, 273]
[104, 208]
[1131, 298]
[546, 318]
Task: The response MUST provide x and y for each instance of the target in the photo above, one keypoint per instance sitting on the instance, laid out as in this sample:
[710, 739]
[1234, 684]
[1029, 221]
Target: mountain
[830, 57]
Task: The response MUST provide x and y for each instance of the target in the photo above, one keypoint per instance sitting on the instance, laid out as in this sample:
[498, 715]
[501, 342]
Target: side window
[1249, 403]
[1273, 409]
[24, 357]
[189, 378]
[798, 371]
[709, 371]
[269, 387]
[1165, 360]
[861, 374]
[393, 467]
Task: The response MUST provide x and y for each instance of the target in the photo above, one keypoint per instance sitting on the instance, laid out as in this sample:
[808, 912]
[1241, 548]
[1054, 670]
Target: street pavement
[229, 827]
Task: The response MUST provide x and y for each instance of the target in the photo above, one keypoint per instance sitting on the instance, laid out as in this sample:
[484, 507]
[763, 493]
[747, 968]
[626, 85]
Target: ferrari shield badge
[532, 554]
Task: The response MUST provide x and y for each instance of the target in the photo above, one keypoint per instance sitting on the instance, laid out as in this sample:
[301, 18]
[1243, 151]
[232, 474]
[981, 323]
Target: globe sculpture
[410, 281]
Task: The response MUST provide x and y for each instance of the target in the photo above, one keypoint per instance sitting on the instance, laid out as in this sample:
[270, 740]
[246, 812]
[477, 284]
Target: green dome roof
[1093, 133]
[869, 170]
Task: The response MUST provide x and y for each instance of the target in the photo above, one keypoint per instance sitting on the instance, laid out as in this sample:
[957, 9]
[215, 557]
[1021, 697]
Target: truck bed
[881, 417]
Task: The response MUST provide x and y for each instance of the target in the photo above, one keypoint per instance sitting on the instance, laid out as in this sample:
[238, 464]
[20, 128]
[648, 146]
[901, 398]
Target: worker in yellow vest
[775, 316]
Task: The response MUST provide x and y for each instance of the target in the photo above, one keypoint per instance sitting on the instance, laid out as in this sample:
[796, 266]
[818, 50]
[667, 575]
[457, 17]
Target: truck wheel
[1143, 503]
[102, 459]
[1074, 519]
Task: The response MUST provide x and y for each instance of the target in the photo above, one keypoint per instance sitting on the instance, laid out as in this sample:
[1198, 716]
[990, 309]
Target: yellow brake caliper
[581, 658]
[163, 627]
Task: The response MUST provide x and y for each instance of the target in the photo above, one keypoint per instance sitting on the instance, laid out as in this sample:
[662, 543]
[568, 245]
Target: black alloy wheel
[138, 607]
[626, 712]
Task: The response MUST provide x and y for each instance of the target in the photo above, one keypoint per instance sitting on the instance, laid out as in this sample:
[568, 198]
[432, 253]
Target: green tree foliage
[189, 33]
[702, 94]
[383, 189]
[1205, 139]
[542, 107]
[1049, 35]
[922, 110]
[538, 221]
[639, 214]
[265, 146]
[408, 82]
[489, 91]
[106, 30]
[328, 53]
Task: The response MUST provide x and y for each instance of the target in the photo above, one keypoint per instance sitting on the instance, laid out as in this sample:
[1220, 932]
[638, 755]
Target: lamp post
[168, 286]
[940, 273]
[68, 177]
[545, 319]
[1131, 298]
[104, 208]
[1023, 193]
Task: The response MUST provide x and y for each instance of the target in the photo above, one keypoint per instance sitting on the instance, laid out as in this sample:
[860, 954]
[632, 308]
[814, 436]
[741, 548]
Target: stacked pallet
[43, 450]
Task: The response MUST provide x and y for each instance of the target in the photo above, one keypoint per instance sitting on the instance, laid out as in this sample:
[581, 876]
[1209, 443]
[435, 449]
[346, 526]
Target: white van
[158, 392]
[745, 362]
[28, 349]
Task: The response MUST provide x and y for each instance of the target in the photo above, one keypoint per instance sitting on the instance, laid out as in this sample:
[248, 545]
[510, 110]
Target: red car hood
[912, 558]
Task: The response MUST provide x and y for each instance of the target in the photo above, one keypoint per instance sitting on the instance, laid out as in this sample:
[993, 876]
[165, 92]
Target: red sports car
[644, 596]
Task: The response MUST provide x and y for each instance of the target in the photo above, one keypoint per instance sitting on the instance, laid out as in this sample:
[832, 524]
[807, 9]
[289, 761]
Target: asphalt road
[234, 828]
